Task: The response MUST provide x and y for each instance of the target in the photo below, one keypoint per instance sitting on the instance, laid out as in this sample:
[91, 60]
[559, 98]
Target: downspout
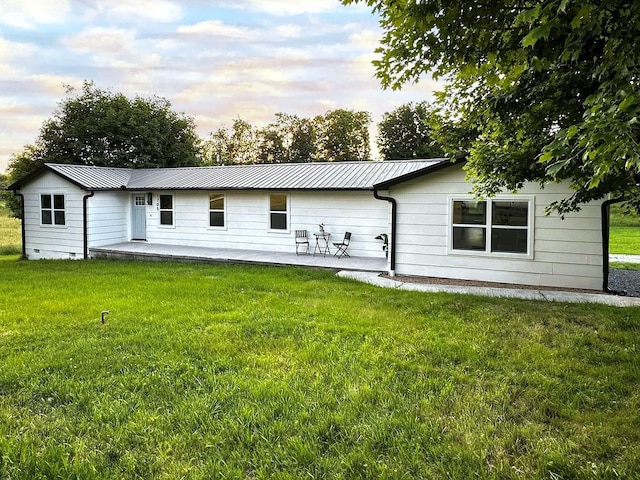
[604, 213]
[85, 234]
[24, 240]
[392, 241]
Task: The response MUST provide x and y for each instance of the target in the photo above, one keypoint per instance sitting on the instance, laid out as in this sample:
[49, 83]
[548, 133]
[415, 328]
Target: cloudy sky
[215, 60]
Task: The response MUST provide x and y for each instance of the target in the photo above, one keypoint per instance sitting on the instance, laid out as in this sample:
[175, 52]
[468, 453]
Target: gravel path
[625, 280]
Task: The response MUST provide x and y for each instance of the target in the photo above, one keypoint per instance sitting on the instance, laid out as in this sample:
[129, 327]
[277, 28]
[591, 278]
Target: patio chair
[341, 247]
[302, 240]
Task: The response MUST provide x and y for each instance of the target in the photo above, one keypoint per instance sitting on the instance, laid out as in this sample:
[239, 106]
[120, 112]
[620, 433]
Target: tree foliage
[338, 135]
[406, 132]
[289, 139]
[98, 127]
[20, 165]
[343, 135]
[541, 91]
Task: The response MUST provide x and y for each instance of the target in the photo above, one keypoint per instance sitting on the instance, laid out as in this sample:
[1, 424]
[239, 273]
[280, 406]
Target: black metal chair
[341, 247]
[302, 239]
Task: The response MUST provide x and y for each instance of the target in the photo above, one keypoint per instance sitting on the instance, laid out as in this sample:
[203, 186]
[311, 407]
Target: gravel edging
[626, 281]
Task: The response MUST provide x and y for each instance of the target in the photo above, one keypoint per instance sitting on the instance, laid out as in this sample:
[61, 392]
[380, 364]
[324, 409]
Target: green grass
[624, 232]
[625, 265]
[256, 372]
[10, 233]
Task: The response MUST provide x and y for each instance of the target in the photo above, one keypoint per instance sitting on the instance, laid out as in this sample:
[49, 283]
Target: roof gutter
[604, 214]
[392, 241]
[85, 233]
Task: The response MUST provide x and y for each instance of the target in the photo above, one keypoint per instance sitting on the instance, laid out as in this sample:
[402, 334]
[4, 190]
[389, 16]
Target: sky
[214, 60]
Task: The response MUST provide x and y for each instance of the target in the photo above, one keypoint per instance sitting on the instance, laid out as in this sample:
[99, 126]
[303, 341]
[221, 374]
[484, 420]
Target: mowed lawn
[207, 371]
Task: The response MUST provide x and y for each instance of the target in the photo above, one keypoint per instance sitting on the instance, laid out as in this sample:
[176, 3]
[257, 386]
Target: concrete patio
[160, 252]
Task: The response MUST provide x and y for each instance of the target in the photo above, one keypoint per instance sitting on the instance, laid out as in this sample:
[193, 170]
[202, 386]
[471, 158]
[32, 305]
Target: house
[436, 227]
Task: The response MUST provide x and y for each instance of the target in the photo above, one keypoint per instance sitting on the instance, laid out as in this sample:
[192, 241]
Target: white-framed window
[140, 199]
[499, 226]
[217, 211]
[52, 209]
[166, 209]
[278, 211]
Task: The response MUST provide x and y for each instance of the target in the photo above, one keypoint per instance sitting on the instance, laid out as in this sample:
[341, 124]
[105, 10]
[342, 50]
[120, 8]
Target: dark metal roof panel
[91, 177]
[283, 176]
[299, 176]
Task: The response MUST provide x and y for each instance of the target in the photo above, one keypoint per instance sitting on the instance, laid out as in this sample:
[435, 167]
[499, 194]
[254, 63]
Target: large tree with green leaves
[406, 133]
[93, 126]
[343, 135]
[288, 139]
[543, 91]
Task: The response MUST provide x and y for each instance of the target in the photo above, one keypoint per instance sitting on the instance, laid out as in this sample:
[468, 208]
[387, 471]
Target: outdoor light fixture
[149, 198]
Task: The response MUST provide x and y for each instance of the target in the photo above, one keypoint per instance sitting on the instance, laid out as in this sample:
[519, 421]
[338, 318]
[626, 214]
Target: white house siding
[566, 253]
[247, 220]
[53, 241]
[108, 218]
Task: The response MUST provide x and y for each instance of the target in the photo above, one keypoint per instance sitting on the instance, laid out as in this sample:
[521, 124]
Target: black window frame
[165, 212]
[53, 209]
[496, 227]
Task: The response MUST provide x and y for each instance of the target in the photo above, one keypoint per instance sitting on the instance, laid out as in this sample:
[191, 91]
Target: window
[166, 209]
[278, 211]
[491, 226]
[52, 209]
[216, 210]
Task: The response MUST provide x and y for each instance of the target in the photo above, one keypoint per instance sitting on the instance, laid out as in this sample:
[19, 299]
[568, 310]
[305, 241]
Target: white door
[139, 217]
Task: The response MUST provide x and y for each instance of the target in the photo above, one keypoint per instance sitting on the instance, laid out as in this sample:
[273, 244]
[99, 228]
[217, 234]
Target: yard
[254, 372]
[236, 371]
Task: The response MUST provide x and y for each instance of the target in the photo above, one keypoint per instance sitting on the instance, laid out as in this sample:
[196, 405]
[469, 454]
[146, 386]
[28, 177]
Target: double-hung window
[278, 211]
[166, 210]
[216, 210]
[52, 211]
[496, 226]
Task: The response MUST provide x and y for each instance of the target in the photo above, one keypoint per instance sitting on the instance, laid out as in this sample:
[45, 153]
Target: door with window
[139, 217]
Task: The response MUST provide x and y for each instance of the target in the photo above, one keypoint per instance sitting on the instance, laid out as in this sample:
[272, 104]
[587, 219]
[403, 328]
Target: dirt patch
[473, 283]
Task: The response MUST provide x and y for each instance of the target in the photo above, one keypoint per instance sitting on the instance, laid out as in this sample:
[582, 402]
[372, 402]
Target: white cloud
[29, 14]
[288, 31]
[101, 39]
[215, 28]
[289, 7]
[10, 51]
[135, 10]
[367, 40]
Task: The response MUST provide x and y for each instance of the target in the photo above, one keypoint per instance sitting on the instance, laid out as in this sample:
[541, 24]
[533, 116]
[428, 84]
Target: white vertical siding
[247, 220]
[567, 253]
[108, 215]
[53, 241]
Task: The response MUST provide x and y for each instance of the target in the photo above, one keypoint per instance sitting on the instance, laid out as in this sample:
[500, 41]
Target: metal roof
[365, 175]
[91, 177]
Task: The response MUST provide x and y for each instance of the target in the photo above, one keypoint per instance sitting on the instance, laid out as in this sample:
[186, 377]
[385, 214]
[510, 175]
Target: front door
[139, 217]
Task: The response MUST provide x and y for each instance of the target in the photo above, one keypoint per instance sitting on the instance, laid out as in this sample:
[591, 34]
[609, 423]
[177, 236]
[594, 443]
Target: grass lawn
[256, 372]
[625, 232]
[10, 233]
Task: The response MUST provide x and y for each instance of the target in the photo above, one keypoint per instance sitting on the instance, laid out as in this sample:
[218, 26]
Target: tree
[343, 135]
[289, 139]
[550, 89]
[20, 165]
[215, 149]
[243, 146]
[406, 133]
[97, 127]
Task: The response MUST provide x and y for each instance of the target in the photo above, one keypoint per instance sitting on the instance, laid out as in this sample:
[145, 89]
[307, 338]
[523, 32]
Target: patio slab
[160, 252]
